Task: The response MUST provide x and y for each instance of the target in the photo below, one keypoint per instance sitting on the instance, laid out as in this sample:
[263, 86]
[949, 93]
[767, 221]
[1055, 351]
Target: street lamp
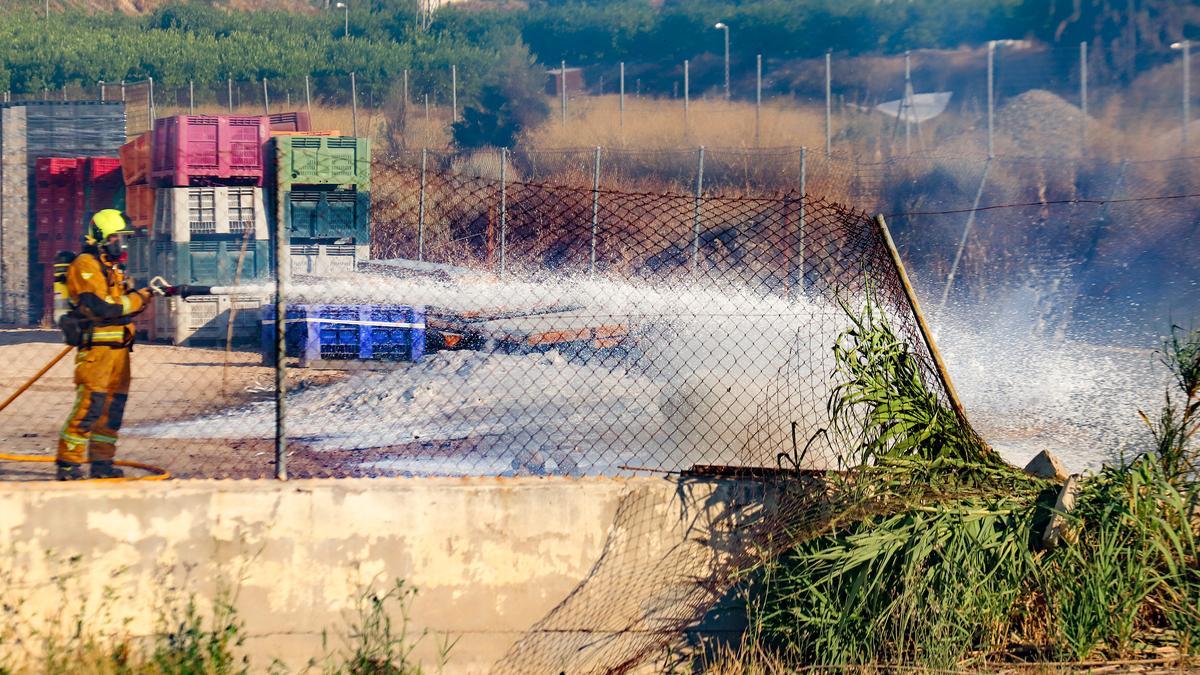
[342, 5]
[721, 26]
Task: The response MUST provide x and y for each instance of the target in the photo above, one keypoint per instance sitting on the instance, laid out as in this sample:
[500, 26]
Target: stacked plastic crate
[139, 206]
[322, 201]
[67, 190]
[209, 224]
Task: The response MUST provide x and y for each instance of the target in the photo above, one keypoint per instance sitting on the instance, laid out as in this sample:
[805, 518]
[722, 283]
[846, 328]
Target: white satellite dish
[918, 108]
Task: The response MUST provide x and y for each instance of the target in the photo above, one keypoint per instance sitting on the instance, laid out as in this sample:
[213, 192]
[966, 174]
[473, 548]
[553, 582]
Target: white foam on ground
[688, 393]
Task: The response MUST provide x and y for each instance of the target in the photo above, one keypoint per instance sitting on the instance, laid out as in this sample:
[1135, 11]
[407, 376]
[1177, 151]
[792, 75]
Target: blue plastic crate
[318, 333]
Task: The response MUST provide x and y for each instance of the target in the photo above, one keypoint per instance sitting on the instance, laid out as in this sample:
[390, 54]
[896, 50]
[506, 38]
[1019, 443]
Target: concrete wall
[14, 218]
[491, 559]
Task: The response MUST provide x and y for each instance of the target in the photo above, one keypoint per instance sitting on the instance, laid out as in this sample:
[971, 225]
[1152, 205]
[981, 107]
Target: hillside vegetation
[88, 40]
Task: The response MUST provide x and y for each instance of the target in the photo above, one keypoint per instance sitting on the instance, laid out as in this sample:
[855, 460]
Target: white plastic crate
[181, 213]
[205, 319]
[321, 260]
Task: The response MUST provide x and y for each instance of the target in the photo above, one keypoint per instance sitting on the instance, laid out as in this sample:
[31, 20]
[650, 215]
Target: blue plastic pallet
[319, 334]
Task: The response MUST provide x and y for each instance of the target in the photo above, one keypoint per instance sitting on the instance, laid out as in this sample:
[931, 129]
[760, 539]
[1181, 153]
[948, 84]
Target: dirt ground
[169, 383]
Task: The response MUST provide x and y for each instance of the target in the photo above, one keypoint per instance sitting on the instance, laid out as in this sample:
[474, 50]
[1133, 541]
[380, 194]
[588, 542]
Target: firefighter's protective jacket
[98, 291]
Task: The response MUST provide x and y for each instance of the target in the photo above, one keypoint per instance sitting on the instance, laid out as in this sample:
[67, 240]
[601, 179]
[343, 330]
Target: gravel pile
[1039, 123]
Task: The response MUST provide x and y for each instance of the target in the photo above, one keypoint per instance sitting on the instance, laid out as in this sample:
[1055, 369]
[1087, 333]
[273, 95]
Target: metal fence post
[962, 243]
[800, 224]
[405, 90]
[828, 101]
[191, 97]
[266, 98]
[1187, 91]
[1083, 96]
[621, 103]
[595, 208]
[906, 107]
[150, 103]
[991, 98]
[229, 93]
[307, 97]
[421, 209]
[699, 196]
[122, 91]
[503, 210]
[281, 267]
[757, 100]
[686, 97]
[353, 105]
[562, 81]
[102, 92]
[453, 93]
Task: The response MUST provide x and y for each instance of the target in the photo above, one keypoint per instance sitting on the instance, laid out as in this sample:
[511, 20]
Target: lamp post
[720, 25]
[346, 29]
[1186, 47]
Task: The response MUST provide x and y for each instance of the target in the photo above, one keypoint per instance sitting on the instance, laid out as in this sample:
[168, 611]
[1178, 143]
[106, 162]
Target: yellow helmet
[106, 223]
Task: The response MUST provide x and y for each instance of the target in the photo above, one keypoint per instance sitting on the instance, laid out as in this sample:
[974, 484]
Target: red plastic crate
[135, 160]
[290, 121]
[54, 169]
[204, 150]
[139, 205]
[103, 169]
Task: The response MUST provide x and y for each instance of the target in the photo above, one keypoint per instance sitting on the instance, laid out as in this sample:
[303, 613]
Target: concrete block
[1058, 529]
[1046, 465]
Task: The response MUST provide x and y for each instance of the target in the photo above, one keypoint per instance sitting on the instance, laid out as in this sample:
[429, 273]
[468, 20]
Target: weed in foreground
[946, 571]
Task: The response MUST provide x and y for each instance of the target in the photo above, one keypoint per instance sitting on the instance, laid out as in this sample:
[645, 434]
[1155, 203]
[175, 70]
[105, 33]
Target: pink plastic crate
[206, 150]
[104, 170]
[290, 121]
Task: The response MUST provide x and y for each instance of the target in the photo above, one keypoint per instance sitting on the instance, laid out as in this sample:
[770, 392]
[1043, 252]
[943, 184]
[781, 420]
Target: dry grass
[661, 123]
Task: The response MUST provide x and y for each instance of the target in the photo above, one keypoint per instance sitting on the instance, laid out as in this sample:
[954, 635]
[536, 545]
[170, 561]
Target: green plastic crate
[211, 262]
[322, 160]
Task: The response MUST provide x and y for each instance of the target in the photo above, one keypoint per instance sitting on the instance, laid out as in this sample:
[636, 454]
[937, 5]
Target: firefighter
[99, 323]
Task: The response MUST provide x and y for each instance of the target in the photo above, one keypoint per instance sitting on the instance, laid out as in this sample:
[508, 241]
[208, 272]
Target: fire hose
[160, 287]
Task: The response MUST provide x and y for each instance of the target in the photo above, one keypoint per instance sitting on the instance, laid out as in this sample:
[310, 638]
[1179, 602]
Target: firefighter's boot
[103, 468]
[68, 470]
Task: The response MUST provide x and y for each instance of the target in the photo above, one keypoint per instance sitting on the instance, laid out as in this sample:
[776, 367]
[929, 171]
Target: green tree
[511, 100]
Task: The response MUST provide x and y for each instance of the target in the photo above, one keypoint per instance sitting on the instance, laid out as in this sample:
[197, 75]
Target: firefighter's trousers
[101, 391]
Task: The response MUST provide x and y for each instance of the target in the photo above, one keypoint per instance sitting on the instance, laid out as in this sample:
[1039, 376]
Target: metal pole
[346, 25]
[64, 92]
[1187, 91]
[150, 102]
[353, 105]
[906, 109]
[453, 93]
[800, 230]
[686, 101]
[122, 91]
[943, 373]
[266, 98]
[991, 98]
[726, 63]
[595, 208]
[828, 101]
[405, 86]
[962, 243]
[308, 98]
[229, 92]
[1083, 97]
[621, 103]
[281, 270]
[757, 99]
[191, 97]
[503, 210]
[102, 92]
[421, 209]
[562, 81]
[696, 222]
